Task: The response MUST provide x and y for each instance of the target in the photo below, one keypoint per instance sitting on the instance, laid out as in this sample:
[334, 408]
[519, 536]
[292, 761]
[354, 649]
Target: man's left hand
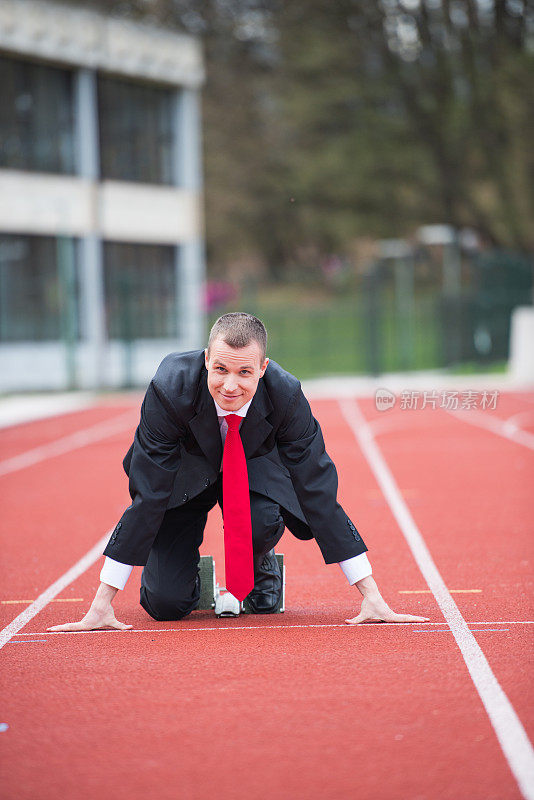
[375, 609]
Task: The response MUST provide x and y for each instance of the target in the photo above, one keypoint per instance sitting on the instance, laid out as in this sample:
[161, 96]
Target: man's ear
[206, 357]
[264, 367]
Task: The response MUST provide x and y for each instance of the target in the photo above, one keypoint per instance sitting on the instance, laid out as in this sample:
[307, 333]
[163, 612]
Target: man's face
[233, 374]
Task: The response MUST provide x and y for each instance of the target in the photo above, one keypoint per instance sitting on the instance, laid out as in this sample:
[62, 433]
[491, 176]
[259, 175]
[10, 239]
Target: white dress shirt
[115, 574]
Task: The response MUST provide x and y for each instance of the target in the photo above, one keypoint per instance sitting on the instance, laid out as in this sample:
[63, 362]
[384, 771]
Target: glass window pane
[35, 303]
[140, 286]
[136, 131]
[36, 117]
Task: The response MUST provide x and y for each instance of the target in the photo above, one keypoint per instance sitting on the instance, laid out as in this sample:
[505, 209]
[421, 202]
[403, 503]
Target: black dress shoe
[265, 596]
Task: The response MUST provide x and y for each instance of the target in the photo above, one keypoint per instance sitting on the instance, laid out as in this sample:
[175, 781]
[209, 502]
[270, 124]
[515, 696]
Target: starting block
[208, 584]
[225, 604]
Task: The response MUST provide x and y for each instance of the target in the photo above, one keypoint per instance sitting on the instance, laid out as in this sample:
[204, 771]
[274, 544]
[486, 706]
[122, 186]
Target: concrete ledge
[521, 364]
[17, 408]
[425, 380]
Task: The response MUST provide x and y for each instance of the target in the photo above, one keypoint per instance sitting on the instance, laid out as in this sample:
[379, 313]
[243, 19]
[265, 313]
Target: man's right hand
[100, 615]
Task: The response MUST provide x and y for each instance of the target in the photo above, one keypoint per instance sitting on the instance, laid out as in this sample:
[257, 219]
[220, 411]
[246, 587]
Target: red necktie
[236, 513]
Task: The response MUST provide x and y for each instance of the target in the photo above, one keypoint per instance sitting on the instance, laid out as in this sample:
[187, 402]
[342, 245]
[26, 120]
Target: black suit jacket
[177, 453]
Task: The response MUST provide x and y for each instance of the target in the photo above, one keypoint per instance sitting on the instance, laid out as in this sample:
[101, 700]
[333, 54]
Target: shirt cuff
[114, 573]
[356, 568]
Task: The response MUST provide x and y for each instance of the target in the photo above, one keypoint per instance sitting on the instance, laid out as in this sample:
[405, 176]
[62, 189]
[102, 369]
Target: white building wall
[94, 210]
[63, 205]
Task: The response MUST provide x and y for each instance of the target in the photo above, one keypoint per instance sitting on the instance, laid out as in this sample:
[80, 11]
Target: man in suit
[174, 467]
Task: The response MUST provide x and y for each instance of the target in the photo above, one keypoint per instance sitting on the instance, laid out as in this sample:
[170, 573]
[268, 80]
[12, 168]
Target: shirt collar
[241, 413]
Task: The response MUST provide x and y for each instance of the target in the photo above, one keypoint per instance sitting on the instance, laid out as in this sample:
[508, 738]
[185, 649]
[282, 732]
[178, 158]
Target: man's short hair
[239, 329]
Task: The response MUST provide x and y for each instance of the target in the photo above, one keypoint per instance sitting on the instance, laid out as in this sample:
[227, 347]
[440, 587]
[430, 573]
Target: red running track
[289, 706]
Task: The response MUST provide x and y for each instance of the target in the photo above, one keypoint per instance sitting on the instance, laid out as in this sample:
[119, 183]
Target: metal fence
[376, 326]
[363, 334]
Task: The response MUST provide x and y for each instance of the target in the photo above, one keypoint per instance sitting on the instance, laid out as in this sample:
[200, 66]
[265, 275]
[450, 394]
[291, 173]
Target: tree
[325, 121]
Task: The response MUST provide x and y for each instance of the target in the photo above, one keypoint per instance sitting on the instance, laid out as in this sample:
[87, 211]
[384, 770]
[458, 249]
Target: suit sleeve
[314, 477]
[154, 463]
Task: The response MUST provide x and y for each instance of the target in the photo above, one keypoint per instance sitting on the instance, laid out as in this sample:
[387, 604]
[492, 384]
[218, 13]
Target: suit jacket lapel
[205, 424]
[255, 428]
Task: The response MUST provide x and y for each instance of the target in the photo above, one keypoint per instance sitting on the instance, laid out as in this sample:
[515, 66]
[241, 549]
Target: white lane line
[510, 733]
[512, 423]
[26, 641]
[266, 627]
[102, 430]
[498, 426]
[54, 589]
[427, 591]
[473, 630]
[27, 602]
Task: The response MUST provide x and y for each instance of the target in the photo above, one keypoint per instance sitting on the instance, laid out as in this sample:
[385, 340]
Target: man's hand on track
[375, 609]
[100, 615]
[92, 621]
[379, 611]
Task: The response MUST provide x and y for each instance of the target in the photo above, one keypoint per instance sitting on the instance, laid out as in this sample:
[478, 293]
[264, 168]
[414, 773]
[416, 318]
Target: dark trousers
[170, 584]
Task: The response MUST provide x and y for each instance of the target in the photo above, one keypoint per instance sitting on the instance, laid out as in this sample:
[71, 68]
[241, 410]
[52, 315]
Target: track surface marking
[66, 444]
[52, 591]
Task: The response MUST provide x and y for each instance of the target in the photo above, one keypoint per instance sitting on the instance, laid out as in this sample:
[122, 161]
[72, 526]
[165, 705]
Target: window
[38, 289]
[136, 131]
[36, 117]
[140, 287]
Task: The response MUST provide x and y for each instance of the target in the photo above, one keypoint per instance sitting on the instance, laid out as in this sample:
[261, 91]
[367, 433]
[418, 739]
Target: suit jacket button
[185, 498]
[207, 481]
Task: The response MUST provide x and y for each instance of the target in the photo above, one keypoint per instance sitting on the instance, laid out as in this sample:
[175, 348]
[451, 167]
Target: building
[101, 244]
